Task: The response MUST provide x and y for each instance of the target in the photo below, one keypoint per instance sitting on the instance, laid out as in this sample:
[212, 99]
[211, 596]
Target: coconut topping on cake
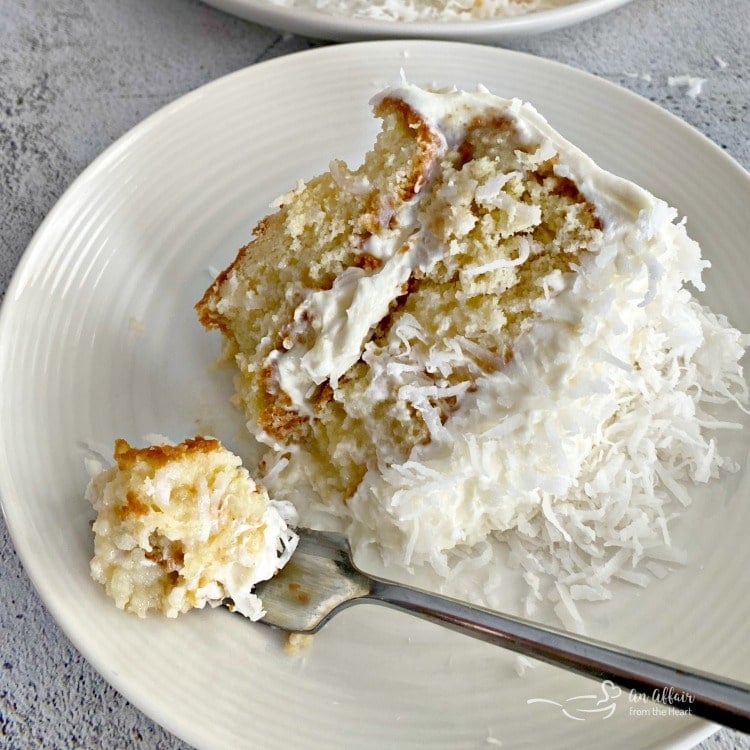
[425, 10]
[182, 526]
[479, 335]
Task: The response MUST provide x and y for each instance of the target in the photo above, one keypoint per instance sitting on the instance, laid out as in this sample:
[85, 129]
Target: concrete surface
[76, 74]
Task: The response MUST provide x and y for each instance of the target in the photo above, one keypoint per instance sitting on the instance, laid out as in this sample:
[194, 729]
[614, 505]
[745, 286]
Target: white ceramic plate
[98, 339]
[343, 27]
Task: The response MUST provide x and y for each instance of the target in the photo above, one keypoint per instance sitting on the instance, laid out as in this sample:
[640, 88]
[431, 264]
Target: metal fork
[321, 580]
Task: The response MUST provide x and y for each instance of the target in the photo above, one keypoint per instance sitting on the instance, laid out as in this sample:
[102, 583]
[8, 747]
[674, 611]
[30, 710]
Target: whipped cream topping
[239, 574]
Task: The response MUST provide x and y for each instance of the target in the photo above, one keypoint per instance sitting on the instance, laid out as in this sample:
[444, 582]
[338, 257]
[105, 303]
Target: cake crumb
[184, 525]
[523, 664]
[204, 426]
[298, 644]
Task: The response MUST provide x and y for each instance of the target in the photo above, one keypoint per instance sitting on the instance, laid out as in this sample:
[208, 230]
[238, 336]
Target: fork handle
[711, 697]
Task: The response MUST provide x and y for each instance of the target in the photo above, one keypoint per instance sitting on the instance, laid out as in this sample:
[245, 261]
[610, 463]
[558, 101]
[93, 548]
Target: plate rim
[35, 250]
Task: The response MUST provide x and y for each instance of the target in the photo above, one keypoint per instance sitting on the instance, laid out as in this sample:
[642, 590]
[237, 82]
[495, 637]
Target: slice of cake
[479, 335]
[182, 526]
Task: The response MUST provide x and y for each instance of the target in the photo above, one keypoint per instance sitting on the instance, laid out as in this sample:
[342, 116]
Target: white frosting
[527, 432]
[239, 576]
[344, 317]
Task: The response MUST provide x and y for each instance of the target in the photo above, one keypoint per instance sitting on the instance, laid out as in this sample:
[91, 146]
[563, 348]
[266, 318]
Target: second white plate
[98, 339]
[348, 27]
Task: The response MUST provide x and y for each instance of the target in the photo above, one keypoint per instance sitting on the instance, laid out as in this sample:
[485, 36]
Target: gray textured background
[77, 74]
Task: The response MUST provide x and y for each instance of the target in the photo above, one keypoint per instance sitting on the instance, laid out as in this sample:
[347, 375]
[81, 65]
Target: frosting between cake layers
[345, 315]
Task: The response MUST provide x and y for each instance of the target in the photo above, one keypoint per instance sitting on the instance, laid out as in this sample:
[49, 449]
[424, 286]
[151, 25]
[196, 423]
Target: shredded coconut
[721, 62]
[603, 432]
[692, 86]
[425, 10]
